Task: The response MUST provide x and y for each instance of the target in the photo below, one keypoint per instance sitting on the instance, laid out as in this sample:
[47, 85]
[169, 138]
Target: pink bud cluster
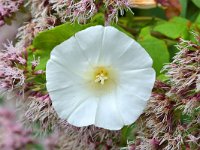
[10, 75]
[184, 70]
[18, 70]
[27, 32]
[12, 136]
[83, 10]
[114, 9]
[86, 137]
[39, 109]
[7, 8]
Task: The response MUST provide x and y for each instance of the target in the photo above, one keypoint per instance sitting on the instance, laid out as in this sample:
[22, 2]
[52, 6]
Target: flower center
[101, 75]
[101, 80]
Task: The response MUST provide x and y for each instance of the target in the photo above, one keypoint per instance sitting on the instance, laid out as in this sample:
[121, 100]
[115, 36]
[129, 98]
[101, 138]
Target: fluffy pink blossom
[7, 7]
[115, 8]
[83, 10]
[12, 136]
[10, 75]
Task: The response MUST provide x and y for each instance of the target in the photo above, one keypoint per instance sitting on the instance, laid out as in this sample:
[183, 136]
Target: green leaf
[163, 78]
[196, 2]
[198, 19]
[1, 100]
[156, 48]
[195, 27]
[34, 147]
[184, 118]
[184, 4]
[145, 34]
[127, 133]
[99, 18]
[175, 28]
[192, 11]
[179, 20]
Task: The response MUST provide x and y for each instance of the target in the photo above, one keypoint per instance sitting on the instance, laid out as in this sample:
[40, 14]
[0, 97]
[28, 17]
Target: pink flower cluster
[80, 11]
[39, 109]
[12, 136]
[89, 137]
[114, 9]
[10, 75]
[7, 7]
[83, 10]
[18, 70]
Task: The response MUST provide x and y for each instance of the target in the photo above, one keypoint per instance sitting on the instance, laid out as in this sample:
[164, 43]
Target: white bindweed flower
[100, 76]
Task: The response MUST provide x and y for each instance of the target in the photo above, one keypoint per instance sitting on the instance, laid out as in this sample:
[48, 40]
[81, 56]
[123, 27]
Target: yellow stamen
[100, 75]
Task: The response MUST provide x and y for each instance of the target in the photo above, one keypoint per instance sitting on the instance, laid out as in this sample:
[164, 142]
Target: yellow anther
[100, 75]
[101, 78]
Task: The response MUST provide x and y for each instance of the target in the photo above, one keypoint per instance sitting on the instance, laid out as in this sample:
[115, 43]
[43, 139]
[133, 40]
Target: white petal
[58, 77]
[85, 113]
[130, 106]
[66, 100]
[134, 57]
[108, 115]
[114, 44]
[69, 55]
[138, 82]
[122, 51]
[90, 41]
